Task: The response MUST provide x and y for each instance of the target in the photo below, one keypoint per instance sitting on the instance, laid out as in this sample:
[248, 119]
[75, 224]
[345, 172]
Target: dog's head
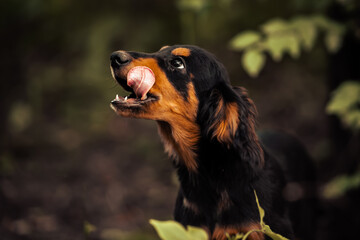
[189, 93]
[182, 74]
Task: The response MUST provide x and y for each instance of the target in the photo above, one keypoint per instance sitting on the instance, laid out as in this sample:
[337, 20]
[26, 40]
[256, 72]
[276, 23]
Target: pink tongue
[140, 79]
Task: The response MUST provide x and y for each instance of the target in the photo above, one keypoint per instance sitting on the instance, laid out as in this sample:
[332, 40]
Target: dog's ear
[227, 115]
[219, 113]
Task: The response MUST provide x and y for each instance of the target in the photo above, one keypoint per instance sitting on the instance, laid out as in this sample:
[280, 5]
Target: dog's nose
[119, 58]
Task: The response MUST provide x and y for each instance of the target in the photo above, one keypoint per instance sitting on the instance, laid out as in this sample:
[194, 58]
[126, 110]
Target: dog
[208, 130]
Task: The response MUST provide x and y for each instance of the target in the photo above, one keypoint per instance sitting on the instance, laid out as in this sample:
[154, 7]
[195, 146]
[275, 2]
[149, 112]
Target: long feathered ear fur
[227, 115]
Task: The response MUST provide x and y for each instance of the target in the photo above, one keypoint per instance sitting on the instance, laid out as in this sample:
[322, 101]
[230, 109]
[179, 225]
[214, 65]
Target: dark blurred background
[71, 169]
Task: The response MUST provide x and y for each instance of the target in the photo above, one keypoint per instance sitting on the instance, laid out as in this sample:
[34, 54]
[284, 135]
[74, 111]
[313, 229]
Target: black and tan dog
[208, 129]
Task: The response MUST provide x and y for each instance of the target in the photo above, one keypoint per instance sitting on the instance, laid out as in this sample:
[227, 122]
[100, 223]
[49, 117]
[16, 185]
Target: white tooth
[126, 98]
[117, 97]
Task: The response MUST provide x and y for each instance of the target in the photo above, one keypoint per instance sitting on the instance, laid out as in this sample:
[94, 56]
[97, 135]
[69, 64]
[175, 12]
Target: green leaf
[275, 47]
[345, 102]
[244, 39]
[89, 228]
[333, 32]
[20, 116]
[238, 236]
[341, 184]
[261, 210]
[275, 25]
[292, 45]
[264, 228]
[344, 98]
[253, 61]
[353, 119]
[273, 235]
[278, 44]
[333, 40]
[306, 30]
[250, 232]
[171, 230]
[196, 233]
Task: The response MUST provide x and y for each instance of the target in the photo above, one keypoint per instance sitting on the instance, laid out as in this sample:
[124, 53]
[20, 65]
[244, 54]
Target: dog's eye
[177, 63]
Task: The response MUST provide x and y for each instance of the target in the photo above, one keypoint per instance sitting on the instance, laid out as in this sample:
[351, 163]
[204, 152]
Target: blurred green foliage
[340, 185]
[278, 37]
[20, 117]
[6, 164]
[345, 103]
[88, 228]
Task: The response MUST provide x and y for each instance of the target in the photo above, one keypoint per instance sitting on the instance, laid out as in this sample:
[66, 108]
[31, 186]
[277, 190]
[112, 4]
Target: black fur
[230, 165]
[236, 168]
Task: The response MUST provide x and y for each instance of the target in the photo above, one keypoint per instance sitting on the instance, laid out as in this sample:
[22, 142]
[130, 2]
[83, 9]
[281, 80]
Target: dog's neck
[180, 141]
[189, 149]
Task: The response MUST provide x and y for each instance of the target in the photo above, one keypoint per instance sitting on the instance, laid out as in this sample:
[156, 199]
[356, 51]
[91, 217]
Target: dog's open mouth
[139, 81]
[132, 100]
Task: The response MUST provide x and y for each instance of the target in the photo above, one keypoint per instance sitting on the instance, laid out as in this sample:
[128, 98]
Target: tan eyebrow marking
[185, 52]
[163, 47]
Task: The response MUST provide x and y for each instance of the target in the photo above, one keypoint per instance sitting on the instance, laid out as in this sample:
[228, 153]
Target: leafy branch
[279, 37]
